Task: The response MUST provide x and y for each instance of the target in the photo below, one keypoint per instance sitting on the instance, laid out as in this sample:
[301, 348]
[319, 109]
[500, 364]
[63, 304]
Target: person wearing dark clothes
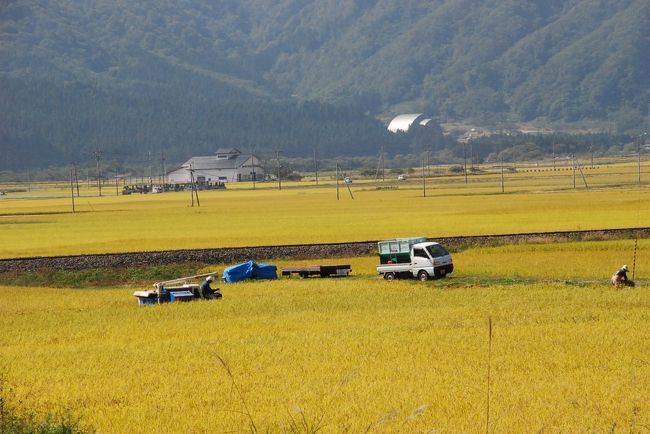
[620, 276]
[206, 292]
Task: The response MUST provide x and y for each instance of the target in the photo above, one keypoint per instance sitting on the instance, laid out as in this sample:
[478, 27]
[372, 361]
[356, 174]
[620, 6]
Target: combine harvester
[181, 289]
[413, 257]
[189, 288]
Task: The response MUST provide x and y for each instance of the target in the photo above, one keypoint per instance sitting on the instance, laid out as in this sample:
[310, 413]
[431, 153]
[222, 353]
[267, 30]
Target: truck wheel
[389, 276]
[303, 274]
[423, 276]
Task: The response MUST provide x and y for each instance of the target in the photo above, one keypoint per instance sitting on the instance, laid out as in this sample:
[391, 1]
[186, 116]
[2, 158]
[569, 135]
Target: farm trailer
[318, 270]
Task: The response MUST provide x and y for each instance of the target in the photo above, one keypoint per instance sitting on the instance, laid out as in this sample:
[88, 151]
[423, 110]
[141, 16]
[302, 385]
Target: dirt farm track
[316, 251]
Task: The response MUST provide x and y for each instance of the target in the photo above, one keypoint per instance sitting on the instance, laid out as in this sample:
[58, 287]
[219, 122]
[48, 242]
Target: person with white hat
[206, 292]
[620, 276]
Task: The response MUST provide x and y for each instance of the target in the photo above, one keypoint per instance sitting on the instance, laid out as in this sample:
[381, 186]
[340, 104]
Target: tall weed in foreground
[298, 422]
[240, 395]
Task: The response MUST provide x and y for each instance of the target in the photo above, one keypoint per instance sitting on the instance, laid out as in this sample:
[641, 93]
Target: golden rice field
[38, 224]
[348, 355]
[568, 352]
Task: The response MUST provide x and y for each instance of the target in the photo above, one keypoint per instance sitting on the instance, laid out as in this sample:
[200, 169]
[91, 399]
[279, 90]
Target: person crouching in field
[620, 276]
[206, 292]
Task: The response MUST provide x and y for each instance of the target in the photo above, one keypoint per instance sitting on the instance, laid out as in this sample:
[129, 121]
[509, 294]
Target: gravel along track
[230, 255]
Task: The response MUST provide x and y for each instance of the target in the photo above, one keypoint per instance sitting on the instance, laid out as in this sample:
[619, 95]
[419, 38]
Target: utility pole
[502, 183]
[643, 137]
[76, 178]
[471, 148]
[150, 172]
[277, 157]
[554, 156]
[574, 170]
[584, 178]
[98, 156]
[194, 190]
[253, 167]
[254, 174]
[337, 181]
[424, 181]
[471, 153]
[638, 153]
[192, 185]
[465, 161]
[164, 170]
[72, 189]
[382, 163]
[347, 184]
[315, 166]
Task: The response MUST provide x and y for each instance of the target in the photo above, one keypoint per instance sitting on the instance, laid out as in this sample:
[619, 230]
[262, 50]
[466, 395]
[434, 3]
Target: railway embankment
[229, 255]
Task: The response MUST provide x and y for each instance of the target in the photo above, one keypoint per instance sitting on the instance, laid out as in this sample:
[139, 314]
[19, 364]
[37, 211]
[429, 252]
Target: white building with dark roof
[226, 165]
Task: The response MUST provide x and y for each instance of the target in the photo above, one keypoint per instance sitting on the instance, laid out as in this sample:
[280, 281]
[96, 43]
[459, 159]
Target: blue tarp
[238, 272]
[249, 270]
[265, 271]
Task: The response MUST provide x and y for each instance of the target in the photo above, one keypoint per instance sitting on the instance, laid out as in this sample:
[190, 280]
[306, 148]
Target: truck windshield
[436, 250]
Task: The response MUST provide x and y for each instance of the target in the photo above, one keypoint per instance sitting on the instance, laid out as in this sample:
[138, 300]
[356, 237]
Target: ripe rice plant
[567, 352]
[301, 216]
[352, 354]
[584, 260]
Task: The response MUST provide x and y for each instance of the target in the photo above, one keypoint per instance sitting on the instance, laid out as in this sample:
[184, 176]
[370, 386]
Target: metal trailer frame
[318, 270]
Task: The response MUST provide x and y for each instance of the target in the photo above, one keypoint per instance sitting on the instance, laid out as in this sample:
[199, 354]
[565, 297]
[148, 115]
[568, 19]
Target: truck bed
[402, 266]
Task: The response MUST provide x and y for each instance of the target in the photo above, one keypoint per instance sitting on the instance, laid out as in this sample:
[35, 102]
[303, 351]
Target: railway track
[229, 255]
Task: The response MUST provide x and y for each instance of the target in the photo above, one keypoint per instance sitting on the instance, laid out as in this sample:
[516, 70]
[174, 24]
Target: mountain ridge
[486, 62]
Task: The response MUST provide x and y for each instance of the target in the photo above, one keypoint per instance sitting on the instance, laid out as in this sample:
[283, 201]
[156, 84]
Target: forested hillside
[188, 76]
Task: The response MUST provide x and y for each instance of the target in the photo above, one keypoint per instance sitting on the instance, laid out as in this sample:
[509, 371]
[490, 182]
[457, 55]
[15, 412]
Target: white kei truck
[413, 257]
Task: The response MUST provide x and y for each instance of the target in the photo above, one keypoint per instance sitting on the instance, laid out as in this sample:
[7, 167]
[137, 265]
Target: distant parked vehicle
[347, 180]
[401, 178]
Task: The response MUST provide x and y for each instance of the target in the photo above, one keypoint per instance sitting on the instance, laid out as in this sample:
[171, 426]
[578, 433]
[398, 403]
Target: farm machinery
[181, 289]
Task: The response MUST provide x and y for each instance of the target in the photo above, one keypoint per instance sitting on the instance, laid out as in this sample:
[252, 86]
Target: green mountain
[188, 76]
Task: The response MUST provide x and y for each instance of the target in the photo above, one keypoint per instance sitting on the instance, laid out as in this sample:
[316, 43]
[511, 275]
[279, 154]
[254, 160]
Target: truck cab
[425, 260]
